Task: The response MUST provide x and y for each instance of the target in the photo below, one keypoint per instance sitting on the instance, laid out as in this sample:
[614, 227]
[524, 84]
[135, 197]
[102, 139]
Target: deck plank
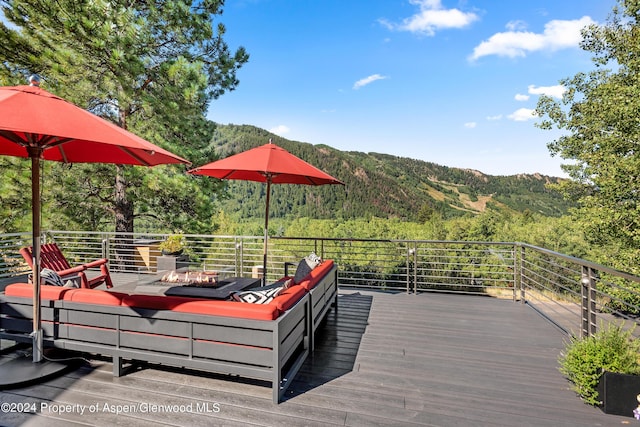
[384, 359]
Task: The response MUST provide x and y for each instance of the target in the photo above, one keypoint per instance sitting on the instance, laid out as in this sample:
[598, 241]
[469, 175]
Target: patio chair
[51, 257]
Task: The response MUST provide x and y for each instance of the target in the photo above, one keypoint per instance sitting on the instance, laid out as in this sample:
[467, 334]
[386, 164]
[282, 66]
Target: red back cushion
[46, 291]
[313, 278]
[94, 296]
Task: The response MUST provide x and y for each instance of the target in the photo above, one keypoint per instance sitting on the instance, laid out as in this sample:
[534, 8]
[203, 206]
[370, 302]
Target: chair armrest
[96, 263]
[72, 270]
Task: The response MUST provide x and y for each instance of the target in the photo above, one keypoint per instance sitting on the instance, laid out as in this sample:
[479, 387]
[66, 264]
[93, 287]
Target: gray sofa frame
[321, 298]
[271, 351]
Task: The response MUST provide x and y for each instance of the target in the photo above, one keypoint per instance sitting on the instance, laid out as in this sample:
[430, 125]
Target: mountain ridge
[381, 185]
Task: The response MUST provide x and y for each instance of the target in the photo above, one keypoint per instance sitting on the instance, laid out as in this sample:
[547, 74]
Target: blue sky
[447, 81]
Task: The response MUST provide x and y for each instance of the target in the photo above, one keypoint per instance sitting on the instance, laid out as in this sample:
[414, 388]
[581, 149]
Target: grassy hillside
[379, 185]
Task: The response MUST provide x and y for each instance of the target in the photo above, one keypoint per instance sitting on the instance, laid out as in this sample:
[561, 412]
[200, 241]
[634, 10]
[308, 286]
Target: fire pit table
[223, 289]
[199, 284]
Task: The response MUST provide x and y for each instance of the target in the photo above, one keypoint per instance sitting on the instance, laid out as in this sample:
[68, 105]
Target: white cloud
[280, 130]
[470, 125]
[496, 117]
[521, 97]
[431, 17]
[557, 35]
[368, 80]
[555, 91]
[522, 115]
[516, 25]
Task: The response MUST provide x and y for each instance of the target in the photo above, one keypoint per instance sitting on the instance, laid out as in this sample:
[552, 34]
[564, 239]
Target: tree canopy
[150, 67]
[600, 112]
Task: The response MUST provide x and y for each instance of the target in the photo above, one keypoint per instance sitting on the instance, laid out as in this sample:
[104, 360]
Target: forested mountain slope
[379, 185]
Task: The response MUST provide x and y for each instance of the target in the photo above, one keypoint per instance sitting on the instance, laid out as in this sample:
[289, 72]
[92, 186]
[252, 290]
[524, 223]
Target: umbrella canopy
[37, 124]
[270, 164]
[34, 119]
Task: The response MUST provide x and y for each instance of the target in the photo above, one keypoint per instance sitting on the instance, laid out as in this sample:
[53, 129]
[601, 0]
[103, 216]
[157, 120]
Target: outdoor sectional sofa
[262, 341]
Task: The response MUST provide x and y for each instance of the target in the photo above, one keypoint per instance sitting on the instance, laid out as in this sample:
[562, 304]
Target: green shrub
[624, 300]
[610, 349]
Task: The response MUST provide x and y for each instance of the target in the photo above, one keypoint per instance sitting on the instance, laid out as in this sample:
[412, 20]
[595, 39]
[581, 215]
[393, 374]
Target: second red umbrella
[269, 164]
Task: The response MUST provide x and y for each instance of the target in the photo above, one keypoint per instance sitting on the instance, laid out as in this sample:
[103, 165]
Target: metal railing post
[588, 294]
[593, 275]
[239, 257]
[410, 251]
[105, 250]
[415, 268]
[523, 296]
[516, 275]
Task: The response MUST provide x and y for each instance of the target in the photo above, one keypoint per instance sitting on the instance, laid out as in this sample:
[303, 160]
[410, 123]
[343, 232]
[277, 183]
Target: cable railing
[11, 262]
[578, 296]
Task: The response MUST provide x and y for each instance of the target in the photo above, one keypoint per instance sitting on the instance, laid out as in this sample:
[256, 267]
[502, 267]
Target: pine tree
[150, 67]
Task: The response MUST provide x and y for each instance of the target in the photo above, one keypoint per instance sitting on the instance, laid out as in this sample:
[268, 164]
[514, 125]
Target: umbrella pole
[266, 234]
[36, 335]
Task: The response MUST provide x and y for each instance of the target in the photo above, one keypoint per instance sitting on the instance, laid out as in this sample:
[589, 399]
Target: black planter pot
[618, 393]
[176, 253]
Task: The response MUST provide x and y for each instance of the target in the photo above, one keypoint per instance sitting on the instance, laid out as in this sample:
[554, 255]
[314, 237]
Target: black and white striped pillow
[258, 296]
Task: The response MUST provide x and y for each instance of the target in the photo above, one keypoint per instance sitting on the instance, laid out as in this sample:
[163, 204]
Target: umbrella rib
[57, 143]
[135, 156]
[311, 181]
[32, 139]
[228, 174]
[13, 137]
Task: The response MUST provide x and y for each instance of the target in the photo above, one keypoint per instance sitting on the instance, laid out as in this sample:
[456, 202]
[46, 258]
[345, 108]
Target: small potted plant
[174, 244]
[604, 369]
[175, 253]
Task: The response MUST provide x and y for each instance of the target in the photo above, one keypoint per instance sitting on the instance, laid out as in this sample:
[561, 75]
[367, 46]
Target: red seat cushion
[156, 302]
[287, 298]
[203, 306]
[237, 309]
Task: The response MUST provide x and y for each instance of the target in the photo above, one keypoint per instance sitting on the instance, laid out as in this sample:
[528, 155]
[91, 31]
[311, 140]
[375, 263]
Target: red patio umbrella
[267, 163]
[37, 124]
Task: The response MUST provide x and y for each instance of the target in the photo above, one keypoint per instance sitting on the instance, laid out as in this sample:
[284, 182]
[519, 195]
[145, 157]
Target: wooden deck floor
[382, 360]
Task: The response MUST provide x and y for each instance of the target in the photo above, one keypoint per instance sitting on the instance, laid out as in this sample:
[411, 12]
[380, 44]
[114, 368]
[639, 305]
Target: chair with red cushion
[51, 257]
